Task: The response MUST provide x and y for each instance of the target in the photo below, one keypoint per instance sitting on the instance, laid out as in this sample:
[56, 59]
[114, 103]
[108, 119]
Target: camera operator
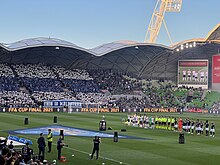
[60, 145]
[96, 143]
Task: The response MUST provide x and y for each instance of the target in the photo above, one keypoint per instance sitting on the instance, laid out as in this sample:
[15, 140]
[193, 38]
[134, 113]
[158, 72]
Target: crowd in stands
[41, 96]
[216, 106]
[30, 84]
[76, 74]
[92, 97]
[38, 77]
[85, 86]
[133, 103]
[9, 155]
[15, 99]
[114, 82]
[34, 71]
[7, 79]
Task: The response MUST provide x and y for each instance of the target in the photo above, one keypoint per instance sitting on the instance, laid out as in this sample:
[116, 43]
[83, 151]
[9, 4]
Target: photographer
[96, 143]
[60, 145]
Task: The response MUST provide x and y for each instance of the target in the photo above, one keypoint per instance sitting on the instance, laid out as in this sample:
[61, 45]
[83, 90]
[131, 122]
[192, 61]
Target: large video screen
[216, 69]
[193, 73]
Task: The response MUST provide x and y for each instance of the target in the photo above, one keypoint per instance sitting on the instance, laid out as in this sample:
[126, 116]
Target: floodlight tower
[161, 7]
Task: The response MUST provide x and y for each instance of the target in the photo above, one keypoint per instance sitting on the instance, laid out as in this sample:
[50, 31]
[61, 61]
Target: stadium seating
[28, 85]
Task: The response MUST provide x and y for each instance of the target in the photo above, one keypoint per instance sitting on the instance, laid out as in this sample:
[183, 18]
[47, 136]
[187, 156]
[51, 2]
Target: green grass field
[164, 149]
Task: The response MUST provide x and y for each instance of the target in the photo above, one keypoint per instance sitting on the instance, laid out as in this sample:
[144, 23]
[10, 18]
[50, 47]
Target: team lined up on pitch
[187, 125]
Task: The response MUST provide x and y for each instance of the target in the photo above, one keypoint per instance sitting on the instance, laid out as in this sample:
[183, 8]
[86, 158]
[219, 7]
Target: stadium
[131, 87]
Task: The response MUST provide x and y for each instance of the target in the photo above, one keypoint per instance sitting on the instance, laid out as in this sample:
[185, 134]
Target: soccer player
[212, 130]
[202, 75]
[207, 128]
[197, 127]
[184, 75]
[189, 75]
[193, 73]
[196, 76]
[175, 125]
[152, 122]
[192, 127]
[201, 127]
[206, 75]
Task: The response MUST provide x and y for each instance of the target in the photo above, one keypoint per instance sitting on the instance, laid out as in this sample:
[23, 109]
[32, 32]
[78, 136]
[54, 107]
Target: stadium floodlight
[162, 6]
[177, 49]
[57, 48]
[136, 47]
[190, 46]
[181, 47]
[194, 44]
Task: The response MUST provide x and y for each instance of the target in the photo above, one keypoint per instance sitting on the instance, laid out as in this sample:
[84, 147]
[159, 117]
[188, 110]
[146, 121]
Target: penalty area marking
[87, 153]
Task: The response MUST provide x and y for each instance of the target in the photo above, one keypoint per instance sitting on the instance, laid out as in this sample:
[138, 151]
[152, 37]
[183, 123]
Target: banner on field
[28, 109]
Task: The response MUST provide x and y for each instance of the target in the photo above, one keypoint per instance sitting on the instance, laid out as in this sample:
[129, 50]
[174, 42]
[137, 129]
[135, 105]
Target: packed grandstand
[125, 75]
[29, 85]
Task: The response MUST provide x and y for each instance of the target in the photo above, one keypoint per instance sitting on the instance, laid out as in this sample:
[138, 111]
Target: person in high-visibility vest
[49, 139]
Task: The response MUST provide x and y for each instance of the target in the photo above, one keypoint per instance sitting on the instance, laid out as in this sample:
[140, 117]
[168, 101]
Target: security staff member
[96, 143]
[49, 139]
[60, 145]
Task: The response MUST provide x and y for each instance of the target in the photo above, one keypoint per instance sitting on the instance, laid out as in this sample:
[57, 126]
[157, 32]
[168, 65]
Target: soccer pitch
[162, 148]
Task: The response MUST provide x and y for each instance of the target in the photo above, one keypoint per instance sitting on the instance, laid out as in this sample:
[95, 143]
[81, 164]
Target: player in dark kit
[212, 130]
[207, 128]
[96, 143]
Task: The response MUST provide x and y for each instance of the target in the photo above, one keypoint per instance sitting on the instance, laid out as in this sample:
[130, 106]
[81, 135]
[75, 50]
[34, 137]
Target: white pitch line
[87, 153]
[113, 160]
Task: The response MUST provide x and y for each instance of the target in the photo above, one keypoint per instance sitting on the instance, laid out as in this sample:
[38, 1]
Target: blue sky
[90, 23]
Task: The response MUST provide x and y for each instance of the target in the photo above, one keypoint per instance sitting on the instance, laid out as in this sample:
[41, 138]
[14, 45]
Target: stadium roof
[140, 59]
[214, 35]
[41, 41]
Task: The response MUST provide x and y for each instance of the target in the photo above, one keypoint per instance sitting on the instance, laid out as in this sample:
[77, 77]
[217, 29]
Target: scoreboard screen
[193, 73]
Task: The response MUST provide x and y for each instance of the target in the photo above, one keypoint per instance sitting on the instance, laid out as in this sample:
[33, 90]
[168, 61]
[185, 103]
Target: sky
[91, 23]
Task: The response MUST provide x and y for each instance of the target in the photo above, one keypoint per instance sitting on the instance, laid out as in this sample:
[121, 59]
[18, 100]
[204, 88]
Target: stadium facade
[142, 60]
